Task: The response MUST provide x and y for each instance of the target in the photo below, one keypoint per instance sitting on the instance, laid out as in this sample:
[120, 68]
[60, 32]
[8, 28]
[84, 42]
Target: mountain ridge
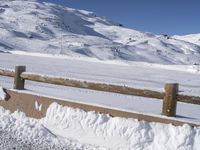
[32, 26]
[192, 38]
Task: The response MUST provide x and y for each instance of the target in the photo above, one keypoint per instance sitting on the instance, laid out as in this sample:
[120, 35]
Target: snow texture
[68, 128]
[134, 74]
[2, 94]
[22, 133]
[57, 30]
[118, 133]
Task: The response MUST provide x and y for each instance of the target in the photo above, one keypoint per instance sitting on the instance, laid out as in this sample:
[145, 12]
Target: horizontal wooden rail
[188, 99]
[93, 86]
[7, 72]
[98, 86]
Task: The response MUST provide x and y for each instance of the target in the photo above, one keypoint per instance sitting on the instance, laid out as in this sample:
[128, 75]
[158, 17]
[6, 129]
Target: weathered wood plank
[93, 86]
[188, 99]
[7, 72]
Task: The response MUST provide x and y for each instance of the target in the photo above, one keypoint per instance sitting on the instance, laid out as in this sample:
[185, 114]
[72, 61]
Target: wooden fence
[170, 96]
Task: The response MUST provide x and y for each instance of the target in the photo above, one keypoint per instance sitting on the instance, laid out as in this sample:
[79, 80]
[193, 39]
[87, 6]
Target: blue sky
[157, 16]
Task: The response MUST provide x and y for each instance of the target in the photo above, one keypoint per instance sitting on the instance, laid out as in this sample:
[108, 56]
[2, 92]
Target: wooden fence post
[18, 81]
[170, 99]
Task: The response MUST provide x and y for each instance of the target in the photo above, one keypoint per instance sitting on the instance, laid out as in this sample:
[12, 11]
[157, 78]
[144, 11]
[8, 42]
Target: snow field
[137, 75]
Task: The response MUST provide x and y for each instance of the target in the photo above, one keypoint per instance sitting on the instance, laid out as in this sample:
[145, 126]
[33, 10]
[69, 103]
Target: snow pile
[2, 94]
[118, 133]
[68, 128]
[58, 30]
[20, 132]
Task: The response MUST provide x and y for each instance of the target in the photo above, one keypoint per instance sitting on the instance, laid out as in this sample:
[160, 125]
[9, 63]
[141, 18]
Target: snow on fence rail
[170, 96]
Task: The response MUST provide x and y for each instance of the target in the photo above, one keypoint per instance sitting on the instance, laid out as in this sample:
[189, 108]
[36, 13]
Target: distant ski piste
[185, 68]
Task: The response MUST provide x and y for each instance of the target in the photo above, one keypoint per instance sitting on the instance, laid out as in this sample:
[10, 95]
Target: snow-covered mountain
[32, 26]
[192, 38]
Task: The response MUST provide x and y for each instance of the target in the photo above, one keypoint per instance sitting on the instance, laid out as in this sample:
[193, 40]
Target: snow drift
[118, 133]
[74, 128]
[37, 27]
[22, 133]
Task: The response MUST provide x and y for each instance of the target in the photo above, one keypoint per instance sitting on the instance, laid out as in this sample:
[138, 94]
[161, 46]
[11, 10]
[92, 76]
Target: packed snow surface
[69, 128]
[137, 74]
[48, 28]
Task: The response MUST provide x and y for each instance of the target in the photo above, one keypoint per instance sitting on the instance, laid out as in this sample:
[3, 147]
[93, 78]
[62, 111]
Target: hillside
[192, 38]
[48, 28]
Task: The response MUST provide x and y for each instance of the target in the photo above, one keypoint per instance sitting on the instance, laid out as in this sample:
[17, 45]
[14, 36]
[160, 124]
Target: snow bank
[68, 128]
[20, 132]
[118, 133]
[2, 94]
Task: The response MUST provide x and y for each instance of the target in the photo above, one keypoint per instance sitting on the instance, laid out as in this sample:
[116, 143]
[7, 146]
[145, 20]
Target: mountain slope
[52, 29]
[192, 38]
